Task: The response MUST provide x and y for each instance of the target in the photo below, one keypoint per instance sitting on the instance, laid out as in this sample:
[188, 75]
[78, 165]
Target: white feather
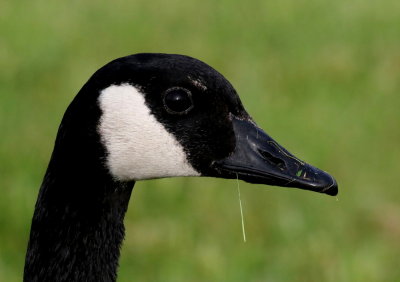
[139, 147]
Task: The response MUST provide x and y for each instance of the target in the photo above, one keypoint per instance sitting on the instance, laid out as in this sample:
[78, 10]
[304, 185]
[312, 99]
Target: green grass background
[321, 77]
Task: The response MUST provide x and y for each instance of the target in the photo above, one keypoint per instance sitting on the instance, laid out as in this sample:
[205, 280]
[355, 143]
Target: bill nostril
[273, 160]
[302, 173]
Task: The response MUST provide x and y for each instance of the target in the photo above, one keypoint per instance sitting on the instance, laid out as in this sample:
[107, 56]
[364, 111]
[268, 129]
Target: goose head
[163, 115]
[141, 117]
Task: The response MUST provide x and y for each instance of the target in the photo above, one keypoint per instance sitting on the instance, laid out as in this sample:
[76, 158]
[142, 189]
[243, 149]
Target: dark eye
[178, 100]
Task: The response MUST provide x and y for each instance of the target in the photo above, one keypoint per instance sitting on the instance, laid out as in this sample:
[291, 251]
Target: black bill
[260, 159]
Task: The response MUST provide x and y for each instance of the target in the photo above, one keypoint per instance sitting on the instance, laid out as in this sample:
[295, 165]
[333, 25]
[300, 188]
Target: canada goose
[139, 117]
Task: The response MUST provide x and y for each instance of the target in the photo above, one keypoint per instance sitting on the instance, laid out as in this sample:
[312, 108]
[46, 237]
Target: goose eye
[178, 100]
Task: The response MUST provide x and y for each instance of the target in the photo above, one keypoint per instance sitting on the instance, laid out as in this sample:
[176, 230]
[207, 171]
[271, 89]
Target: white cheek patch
[138, 146]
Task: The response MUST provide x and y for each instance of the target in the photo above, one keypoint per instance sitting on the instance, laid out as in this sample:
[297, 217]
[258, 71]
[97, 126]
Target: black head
[157, 110]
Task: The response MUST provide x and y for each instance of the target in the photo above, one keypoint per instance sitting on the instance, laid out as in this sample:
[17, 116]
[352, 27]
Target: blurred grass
[322, 77]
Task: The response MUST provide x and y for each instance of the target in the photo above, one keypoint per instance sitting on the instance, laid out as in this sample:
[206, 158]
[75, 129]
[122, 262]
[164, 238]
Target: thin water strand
[241, 209]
